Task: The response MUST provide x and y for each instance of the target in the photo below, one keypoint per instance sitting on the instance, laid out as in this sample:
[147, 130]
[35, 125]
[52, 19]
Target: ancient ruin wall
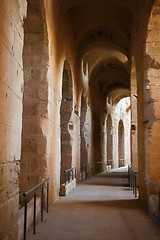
[35, 128]
[11, 94]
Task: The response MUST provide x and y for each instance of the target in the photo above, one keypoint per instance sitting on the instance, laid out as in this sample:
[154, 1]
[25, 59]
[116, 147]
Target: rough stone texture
[147, 35]
[120, 146]
[35, 125]
[67, 125]
[11, 92]
[66, 189]
[134, 127]
[113, 51]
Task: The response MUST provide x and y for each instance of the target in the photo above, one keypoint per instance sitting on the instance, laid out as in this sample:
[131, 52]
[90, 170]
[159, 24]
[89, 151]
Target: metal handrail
[132, 176]
[158, 186]
[85, 168]
[71, 174]
[34, 211]
[155, 184]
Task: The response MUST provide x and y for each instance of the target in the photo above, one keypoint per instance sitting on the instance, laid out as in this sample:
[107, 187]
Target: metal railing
[34, 211]
[84, 171]
[157, 186]
[132, 176]
[70, 174]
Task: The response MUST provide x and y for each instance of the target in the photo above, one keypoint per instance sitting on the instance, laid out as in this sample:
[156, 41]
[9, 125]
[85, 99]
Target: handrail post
[130, 179]
[65, 177]
[25, 218]
[128, 174]
[86, 171]
[34, 213]
[42, 203]
[135, 184]
[47, 194]
[159, 206]
[82, 172]
[146, 197]
[34, 205]
[72, 175]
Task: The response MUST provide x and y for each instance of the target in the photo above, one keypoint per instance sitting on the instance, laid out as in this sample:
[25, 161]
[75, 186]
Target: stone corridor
[100, 208]
[80, 88]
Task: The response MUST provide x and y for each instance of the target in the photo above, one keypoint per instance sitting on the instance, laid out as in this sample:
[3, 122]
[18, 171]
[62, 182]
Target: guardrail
[132, 176]
[84, 171]
[70, 174]
[157, 186]
[34, 211]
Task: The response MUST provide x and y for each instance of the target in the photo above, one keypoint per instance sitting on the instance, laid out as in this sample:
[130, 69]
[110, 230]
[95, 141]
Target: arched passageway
[112, 48]
[121, 160]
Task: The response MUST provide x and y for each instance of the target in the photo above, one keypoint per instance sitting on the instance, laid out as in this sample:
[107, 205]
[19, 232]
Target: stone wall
[67, 126]
[146, 54]
[11, 94]
[134, 127]
[35, 125]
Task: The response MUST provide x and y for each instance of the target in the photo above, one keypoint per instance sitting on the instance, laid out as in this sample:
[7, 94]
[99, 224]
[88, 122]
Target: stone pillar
[134, 137]
[121, 144]
[83, 131]
[35, 129]
[109, 141]
[67, 125]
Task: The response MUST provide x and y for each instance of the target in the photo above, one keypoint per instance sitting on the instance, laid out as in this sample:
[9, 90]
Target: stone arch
[109, 141]
[35, 98]
[83, 132]
[121, 161]
[66, 123]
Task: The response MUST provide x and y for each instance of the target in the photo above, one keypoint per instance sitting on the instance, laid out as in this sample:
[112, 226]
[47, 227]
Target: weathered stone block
[66, 189]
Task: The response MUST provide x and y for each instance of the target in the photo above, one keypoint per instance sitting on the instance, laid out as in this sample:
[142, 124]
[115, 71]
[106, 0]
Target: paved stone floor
[101, 208]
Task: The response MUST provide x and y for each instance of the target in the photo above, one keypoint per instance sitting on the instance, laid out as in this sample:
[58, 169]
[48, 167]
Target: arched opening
[121, 160]
[66, 123]
[109, 141]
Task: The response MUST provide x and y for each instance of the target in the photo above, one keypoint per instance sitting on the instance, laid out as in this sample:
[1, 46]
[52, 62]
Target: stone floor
[101, 208]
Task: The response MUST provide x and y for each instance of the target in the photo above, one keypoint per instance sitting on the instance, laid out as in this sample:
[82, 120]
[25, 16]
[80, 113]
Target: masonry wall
[146, 53]
[35, 125]
[120, 112]
[11, 94]
[134, 126]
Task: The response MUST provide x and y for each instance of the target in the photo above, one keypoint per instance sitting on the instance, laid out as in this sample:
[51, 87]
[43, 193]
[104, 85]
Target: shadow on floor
[123, 182]
[121, 204]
